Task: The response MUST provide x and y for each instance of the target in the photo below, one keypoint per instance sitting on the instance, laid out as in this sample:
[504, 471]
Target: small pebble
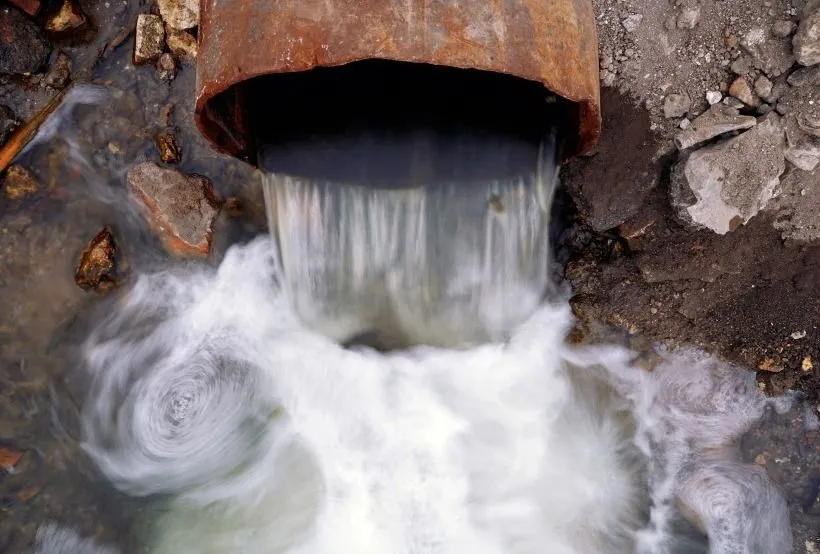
[713, 97]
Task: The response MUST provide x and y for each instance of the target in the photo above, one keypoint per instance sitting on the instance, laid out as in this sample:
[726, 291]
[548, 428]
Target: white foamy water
[272, 438]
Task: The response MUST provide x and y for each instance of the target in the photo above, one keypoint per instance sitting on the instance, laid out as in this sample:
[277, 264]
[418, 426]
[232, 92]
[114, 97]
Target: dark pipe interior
[395, 124]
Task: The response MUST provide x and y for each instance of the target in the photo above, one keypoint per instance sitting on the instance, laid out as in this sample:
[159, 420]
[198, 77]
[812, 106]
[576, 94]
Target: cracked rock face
[721, 187]
[806, 41]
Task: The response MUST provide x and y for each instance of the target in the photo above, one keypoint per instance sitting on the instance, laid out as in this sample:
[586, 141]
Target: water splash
[522, 446]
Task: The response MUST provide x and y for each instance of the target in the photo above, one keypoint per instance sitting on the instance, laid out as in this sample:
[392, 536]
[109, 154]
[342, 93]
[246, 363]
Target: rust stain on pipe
[552, 42]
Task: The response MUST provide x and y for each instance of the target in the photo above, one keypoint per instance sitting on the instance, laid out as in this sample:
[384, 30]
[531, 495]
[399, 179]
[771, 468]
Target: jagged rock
[805, 76]
[180, 14]
[632, 22]
[741, 90]
[149, 40]
[182, 44]
[59, 72]
[689, 17]
[721, 187]
[8, 123]
[770, 54]
[713, 97]
[782, 28]
[741, 66]
[676, 105]
[166, 67]
[19, 183]
[68, 17]
[806, 41]
[168, 148]
[181, 208]
[717, 120]
[24, 48]
[97, 267]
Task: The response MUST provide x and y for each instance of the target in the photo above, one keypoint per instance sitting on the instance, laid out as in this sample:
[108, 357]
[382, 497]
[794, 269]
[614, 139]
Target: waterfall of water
[436, 260]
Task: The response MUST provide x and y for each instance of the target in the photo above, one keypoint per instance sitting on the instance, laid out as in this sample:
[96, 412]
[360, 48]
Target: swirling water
[270, 437]
[225, 394]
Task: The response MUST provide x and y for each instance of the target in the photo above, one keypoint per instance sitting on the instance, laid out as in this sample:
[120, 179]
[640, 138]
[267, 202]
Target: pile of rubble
[734, 86]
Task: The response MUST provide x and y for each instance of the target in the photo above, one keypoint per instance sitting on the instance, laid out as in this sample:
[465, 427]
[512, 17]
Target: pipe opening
[327, 123]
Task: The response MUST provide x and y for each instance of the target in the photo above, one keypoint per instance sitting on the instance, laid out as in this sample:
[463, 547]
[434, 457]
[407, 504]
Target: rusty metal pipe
[552, 42]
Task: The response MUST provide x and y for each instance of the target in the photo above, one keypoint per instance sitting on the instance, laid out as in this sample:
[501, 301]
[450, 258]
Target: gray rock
[689, 17]
[805, 76]
[180, 14]
[632, 22]
[713, 97]
[770, 54]
[721, 187]
[719, 119]
[741, 66]
[778, 90]
[676, 105]
[782, 28]
[806, 41]
[763, 87]
[24, 47]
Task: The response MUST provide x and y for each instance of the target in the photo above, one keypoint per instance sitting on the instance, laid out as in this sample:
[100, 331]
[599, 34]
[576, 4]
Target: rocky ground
[698, 218]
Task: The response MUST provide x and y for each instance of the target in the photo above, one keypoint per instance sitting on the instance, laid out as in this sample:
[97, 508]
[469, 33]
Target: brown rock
[180, 14]
[149, 39]
[166, 113]
[168, 148]
[166, 67]
[19, 183]
[182, 208]
[181, 43]
[9, 457]
[741, 90]
[97, 267]
[68, 17]
[60, 71]
[31, 7]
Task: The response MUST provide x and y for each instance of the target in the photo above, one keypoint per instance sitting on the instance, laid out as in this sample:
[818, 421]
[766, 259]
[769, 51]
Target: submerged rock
[67, 18]
[717, 120]
[168, 148]
[59, 73]
[24, 47]
[8, 123]
[722, 186]
[97, 267]
[182, 208]
[180, 14]
[19, 183]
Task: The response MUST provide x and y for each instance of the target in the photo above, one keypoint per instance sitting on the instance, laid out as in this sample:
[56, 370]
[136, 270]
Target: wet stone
[31, 7]
[8, 123]
[182, 44]
[182, 208]
[180, 14]
[168, 148]
[9, 458]
[97, 267]
[60, 71]
[166, 67]
[149, 39]
[24, 47]
[67, 18]
[19, 183]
